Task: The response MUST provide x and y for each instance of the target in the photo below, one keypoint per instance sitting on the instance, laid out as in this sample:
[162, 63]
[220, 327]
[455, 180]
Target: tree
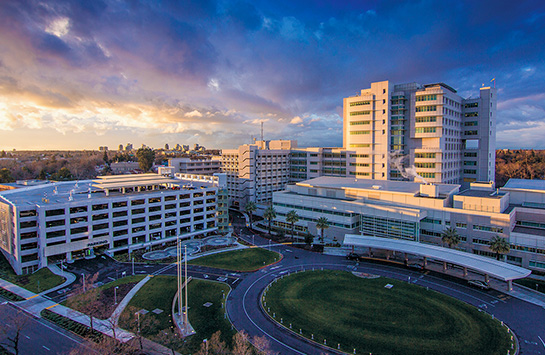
[292, 218]
[18, 321]
[62, 175]
[322, 224]
[269, 215]
[499, 246]
[146, 157]
[85, 299]
[241, 344]
[167, 147]
[250, 209]
[5, 175]
[105, 158]
[214, 346]
[450, 236]
[136, 323]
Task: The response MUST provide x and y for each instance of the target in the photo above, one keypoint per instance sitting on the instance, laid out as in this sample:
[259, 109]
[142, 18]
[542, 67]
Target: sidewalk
[70, 279]
[114, 318]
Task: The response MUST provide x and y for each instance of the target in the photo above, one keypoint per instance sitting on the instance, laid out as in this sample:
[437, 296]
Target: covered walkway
[489, 267]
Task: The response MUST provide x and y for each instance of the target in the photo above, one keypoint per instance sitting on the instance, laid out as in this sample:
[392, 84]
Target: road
[245, 312]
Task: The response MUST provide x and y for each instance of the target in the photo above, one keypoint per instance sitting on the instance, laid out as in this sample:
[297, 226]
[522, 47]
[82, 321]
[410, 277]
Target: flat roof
[407, 187]
[491, 267]
[525, 184]
[482, 194]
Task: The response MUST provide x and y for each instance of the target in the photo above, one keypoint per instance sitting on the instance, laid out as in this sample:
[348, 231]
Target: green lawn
[159, 293]
[39, 281]
[249, 259]
[363, 314]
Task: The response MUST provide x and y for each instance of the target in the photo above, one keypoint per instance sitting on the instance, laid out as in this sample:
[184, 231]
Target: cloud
[156, 70]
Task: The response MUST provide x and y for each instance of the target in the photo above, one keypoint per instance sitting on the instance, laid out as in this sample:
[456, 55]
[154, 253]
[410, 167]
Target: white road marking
[542, 342]
[46, 348]
[26, 336]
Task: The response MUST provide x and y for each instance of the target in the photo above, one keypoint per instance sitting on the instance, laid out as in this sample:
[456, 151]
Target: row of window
[359, 103]
[530, 224]
[426, 119]
[357, 123]
[359, 132]
[425, 165]
[359, 155]
[425, 155]
[425, 130]
[426, 108]
[305, 208]
[471, 114]
[426, 97]
[359, 113]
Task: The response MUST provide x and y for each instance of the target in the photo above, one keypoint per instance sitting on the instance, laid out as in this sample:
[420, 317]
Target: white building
[202, 164]
[421, 212]
[67, 220]
[446, 138]
[255, 171]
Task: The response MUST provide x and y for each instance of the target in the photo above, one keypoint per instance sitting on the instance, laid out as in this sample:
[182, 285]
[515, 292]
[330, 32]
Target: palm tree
[322, 224]
[450, 236]
[499, 246]
[250, 209]
[269, 215]
[292, 218]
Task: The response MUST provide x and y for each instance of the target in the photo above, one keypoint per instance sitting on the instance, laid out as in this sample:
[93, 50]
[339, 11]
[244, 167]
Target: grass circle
[362, 314]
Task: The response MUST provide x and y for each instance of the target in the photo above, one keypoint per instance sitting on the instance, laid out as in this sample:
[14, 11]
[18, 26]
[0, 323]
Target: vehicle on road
[415, 266]
[480, 284]
[353, 256]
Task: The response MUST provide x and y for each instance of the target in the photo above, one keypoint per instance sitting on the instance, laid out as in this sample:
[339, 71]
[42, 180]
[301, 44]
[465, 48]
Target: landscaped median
[381, 315]
[244, 260]
[154, 301]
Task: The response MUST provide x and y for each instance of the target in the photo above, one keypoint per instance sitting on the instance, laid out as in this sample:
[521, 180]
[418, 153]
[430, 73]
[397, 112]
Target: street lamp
[115, 294]
[133, 265]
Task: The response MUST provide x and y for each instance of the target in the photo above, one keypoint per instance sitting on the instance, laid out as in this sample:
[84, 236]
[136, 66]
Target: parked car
[353, 256]
[415, 266]
[480, 284]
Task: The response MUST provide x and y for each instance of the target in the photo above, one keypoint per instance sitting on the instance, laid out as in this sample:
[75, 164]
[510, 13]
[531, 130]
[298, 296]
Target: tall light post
[133, 265]
[186, 321]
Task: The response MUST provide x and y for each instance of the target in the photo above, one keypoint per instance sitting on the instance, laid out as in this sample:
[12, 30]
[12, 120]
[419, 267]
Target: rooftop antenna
[262, 131]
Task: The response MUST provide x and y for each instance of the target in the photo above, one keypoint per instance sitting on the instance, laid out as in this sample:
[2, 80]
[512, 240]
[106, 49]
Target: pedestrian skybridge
[487, 266]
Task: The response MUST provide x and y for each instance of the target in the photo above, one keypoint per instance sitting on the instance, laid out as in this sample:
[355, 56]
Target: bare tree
[85, 299]
[214, 346]
[18, 321]
[241, 344]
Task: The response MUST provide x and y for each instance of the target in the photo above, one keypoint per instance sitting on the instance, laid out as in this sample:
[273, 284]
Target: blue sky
[83, 74]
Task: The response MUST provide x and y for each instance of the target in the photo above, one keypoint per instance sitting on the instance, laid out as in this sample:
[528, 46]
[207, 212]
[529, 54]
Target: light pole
[269, 244]
[133, 266]
[115, 294]
[82, 274]
[138, 329]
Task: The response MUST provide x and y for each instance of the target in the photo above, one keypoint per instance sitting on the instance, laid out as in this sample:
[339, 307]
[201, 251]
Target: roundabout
[193, 246]
[379, 315]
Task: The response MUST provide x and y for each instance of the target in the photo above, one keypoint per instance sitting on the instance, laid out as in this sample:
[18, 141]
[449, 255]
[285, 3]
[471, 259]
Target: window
[55, 234]
[54, 212]
[359, 103]
[471, 114]
[154, 209]
[360, 145]
[29, 246]
[461, 225]
[138, 211]
[471, 105]
[487, 229]
[98, 217]
[425, 155]
[466, 163]
[56, 223]
[137, 202]
[78, 230]
[426, 108]
[470, 171]
[119, 204]
[154, 217]
[357, 123]
[78, 209]
[27, 224]
[77, 220]
[100, 226]
[359, 113]
[29, 213]
[426, 97]
[471, 133]
[426, 119]
[29, 235]
[424, 130]
[425, 165]
[427, 175]
[470, 155]
[170, 198]
[359, 132]
[120, 223]
[102, 206]
[120, 232]
[154, 200]
[138, 220]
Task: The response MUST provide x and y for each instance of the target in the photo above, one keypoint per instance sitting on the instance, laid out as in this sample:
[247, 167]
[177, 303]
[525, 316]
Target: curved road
[244, 310]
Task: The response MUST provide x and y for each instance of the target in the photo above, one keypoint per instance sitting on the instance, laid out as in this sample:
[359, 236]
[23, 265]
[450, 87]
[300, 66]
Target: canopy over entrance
[497, 269]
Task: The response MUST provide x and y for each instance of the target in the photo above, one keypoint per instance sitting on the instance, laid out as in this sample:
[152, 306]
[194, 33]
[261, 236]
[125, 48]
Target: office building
[421, 212]
[46, 223]
[202, 165]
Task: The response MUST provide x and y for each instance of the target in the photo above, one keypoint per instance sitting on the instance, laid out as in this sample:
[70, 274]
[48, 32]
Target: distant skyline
[84, 74]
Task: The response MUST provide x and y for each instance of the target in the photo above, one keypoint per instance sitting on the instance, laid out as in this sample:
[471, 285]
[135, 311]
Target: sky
[83, 74]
